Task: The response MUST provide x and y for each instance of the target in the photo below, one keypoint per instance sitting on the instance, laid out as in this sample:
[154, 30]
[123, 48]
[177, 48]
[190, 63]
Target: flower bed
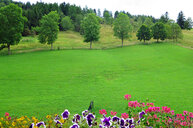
[137, 115]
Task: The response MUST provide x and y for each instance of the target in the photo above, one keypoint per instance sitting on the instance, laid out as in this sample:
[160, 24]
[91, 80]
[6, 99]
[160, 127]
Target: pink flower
[191, 114]
[9, 118]
[172, 112]
[127, 97]
[169, 120]
[182, 117]
[184, 123]
[155, 116]
[124, 115]
[185, 112]
[6, 114]
[113, 113]
[103, 112]
[147, 104]
[151, 104]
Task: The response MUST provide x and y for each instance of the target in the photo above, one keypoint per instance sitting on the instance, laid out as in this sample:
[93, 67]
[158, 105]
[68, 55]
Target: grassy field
[43, 82]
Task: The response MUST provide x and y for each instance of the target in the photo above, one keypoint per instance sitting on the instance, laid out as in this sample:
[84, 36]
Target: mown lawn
[38, 83]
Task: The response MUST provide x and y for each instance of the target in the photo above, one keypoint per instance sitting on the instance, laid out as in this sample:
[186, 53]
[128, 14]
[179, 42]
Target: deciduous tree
[66, 23]
[91, 28]
[158, 31]
[144, 33]
[122, 27]
[49, 28]
[11, 25]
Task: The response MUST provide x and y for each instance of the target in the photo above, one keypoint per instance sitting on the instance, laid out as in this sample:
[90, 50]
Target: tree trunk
[122, 41]
[51, 46]
[9, 51]
[90, 44]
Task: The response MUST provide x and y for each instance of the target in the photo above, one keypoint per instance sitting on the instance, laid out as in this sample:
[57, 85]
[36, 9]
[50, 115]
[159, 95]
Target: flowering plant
[138, 115]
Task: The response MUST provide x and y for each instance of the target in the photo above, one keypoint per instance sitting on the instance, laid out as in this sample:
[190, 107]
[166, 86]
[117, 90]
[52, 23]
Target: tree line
[46, 20]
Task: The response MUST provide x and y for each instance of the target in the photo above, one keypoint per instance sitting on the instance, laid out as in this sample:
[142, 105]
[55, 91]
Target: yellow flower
[50, 121]
[2, 118]
[62, 120]
[7, 123]
[24, 122]
[55, 114]
[0, 124]
[13, 123]
[48, 116]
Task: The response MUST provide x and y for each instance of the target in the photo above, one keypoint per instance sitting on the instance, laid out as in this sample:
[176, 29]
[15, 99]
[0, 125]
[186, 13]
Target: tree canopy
[11, 25]
[49, 28]
[144, 33]
[122, 27]
[66, 23]
[91, 28]
[159, 31]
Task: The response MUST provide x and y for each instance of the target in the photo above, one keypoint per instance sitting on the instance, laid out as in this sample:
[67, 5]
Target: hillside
[73, 40]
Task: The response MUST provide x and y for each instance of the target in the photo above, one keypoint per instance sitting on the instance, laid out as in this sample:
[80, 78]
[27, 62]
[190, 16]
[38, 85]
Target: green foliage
[11, 25]
[181, 20]
[77, 22]
[176, 31]
[148, 21]
[144, 33]
[66, 23]
[49, 28]
[188, 24]
[122, 27]
[173, 31]
[91, 28]
[159, 31]
[164, 18]
[108, 19]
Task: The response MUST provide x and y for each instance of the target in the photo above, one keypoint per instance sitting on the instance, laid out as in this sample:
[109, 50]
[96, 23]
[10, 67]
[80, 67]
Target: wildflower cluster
[138, 114]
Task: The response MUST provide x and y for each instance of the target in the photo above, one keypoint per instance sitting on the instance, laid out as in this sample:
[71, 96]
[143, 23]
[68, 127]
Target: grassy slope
[71, 40]
[39, 83]
[187, 38]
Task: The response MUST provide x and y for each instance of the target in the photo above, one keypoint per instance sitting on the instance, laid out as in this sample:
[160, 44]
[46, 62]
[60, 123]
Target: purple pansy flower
[32, 125]
[57, 122]
[89, 119]
[138, 122]
[57, 117]
[106, 121]
[75, 126]
[100, 126]
[141, 115]
[122, 122]
[115, 119]
[84, 113]
[130, 123]
[65, 114]
[41, 123]
[76, 118]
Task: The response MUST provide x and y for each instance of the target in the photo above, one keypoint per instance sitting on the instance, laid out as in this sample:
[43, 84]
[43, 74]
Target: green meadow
[46, 82]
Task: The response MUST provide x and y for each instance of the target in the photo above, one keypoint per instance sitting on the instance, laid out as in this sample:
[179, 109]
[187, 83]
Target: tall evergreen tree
[181, 20]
